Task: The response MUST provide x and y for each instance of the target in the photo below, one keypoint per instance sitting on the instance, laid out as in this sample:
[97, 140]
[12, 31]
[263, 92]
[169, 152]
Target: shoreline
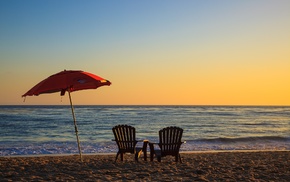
[196, 166]
[112, 153]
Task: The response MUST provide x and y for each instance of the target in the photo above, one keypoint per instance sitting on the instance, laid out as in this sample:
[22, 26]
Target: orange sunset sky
[190, 52]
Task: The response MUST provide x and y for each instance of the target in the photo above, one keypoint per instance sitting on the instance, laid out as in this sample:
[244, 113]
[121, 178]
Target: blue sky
[182, 49]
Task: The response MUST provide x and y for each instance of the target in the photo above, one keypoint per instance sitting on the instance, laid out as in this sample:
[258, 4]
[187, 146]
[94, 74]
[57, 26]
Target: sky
[166, 52]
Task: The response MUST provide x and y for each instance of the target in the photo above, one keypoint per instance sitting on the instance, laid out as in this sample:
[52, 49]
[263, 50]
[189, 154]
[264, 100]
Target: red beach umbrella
[70, 81]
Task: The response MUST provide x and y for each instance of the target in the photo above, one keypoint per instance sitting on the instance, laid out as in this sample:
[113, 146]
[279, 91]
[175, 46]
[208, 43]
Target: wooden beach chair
[125, 137]
[169, 143]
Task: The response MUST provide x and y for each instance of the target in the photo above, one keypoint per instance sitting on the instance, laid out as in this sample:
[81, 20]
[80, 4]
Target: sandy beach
[205, 166]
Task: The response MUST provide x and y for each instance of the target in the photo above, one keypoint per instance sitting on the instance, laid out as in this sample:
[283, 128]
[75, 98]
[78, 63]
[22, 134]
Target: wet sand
[206, 166]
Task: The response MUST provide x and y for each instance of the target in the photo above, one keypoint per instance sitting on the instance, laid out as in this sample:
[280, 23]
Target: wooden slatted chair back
[125, 137]
[170, 140]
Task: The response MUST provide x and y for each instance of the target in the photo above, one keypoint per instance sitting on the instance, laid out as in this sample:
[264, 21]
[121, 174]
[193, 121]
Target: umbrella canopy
[69, 81]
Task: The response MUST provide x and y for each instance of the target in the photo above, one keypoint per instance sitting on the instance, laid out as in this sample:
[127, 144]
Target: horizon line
[253, 105]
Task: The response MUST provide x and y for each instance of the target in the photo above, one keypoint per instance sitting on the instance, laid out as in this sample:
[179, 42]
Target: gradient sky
[192, 52]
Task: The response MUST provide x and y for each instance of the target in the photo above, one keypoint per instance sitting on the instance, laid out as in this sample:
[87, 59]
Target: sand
[207, 166]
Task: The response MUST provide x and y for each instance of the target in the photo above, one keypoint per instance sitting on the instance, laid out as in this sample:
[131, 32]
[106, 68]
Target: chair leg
[159, 158]
[121, 156]
[138, 153]
[176, 157]
[179, 158]
[116, 157]
[136, 156]
[152, 152]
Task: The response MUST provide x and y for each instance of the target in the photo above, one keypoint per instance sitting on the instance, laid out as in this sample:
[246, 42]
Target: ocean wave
[243, 139]
[39, 129]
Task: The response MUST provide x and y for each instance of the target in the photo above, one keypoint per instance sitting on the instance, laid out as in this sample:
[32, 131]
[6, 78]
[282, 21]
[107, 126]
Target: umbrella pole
[75, 123]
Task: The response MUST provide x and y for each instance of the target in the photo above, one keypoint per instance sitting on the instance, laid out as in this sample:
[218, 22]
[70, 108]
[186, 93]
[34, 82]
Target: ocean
[33, 130]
